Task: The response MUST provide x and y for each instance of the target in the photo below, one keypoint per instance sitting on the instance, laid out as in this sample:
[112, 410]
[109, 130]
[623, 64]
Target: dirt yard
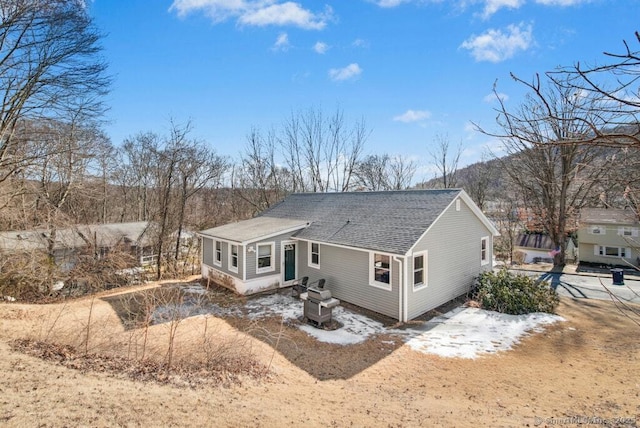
[586, 367]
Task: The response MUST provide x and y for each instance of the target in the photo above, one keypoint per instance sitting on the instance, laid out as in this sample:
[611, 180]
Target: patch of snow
[274, 304]
[462, 332]
[355, 328]
[470, 332]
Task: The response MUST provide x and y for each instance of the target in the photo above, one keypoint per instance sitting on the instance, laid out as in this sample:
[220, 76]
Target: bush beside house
[514, 294]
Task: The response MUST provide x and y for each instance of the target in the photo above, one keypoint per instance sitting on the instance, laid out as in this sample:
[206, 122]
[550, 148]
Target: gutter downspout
[406, 289]
[400, 288]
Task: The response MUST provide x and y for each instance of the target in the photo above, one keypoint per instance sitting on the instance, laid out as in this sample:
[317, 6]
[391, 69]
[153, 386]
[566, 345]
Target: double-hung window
[265, 262]
[233, 258]
[314, 254]
[217, 260]
[380, 270]
[485, 252]
[419, 271]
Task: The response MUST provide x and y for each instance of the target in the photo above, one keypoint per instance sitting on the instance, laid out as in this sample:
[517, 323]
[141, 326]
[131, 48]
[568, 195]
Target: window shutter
[628, 253]
[634, 232]
[596, 250]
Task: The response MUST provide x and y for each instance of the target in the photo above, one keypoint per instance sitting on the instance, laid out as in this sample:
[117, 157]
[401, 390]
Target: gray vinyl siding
[252, 258]
[453, 261]
[208, 251]
[346, 272]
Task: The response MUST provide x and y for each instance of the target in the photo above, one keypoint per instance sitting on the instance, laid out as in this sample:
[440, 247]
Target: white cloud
[282, 43]
[360, 43]
[391, 3]
[496, 46]
[492, 6]
[492, 97]
[321, 47]
[349, 72]
[257, 13]
[413, 116]
[561, 2]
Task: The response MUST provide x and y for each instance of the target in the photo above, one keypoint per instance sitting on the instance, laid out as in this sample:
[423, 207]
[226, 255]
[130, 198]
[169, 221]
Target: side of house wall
[346, 272]
[208, 255]
[587, 242]
[453, 246]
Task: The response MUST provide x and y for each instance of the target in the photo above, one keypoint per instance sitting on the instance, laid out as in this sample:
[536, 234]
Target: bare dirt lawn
[587, 366]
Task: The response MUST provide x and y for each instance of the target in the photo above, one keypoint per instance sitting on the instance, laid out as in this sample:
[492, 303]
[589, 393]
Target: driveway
[589, 286]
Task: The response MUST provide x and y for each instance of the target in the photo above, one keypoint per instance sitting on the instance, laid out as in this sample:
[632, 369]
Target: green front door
[289, 262]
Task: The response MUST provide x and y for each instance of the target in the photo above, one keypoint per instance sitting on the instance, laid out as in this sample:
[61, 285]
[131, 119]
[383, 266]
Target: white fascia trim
[258, 239]
[271, 235]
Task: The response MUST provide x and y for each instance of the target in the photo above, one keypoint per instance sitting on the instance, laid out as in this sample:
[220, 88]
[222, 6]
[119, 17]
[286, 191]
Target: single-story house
[537, 247]
[399, 253]
[608, 236]
[134, 238]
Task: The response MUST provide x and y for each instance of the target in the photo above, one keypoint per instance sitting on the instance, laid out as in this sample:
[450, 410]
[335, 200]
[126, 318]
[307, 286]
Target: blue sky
[412, 69]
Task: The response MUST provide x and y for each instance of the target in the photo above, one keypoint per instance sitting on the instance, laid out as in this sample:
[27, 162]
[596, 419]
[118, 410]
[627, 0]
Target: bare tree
[554, 177]
[258, 180]
[321, 153]
[371, 173]
[479, 180]
[198, 167]
[138, 157]
[616, 85]
[49, 66]
[382, 172]
[446, 161]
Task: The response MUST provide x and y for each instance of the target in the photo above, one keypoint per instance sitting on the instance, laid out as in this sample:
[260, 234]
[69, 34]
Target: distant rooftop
[608, 216]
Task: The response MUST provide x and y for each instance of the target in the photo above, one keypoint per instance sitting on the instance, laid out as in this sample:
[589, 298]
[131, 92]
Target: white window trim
[601, 250]
[372, 273]
[601, 230]
[215, 253]
[309, 262]
[231, 267]
[273, 257]
[632, 231]
[425, 270]
[487, 259]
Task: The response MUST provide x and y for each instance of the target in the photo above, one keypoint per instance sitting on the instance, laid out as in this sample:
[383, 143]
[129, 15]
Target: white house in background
[399, 253]
[609, 236]
[538, 247]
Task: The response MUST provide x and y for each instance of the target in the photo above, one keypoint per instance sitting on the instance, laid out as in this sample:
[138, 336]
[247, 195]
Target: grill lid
[317, 294]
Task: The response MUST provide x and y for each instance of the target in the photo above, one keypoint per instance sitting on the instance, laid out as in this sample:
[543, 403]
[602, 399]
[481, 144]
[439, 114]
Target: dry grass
[586, 366]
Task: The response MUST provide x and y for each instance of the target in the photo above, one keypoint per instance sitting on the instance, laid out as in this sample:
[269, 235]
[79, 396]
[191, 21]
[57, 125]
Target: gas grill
[318, 304]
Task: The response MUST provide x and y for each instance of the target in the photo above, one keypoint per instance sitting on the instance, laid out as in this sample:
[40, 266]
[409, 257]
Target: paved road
[589, 287]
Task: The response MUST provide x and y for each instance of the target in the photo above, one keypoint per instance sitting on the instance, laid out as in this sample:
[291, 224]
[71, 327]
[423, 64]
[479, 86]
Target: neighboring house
[538, 247]
[399, 253]
[133, 238]
[608, 236]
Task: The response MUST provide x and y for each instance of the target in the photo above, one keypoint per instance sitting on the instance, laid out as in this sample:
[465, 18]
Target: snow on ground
[462, 332]
[469, 332]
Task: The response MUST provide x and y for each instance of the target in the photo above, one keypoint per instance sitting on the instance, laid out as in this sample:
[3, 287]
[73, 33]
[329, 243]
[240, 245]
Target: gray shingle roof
[608, 216]
[384, 221]
[254, 229]
[105, 234]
